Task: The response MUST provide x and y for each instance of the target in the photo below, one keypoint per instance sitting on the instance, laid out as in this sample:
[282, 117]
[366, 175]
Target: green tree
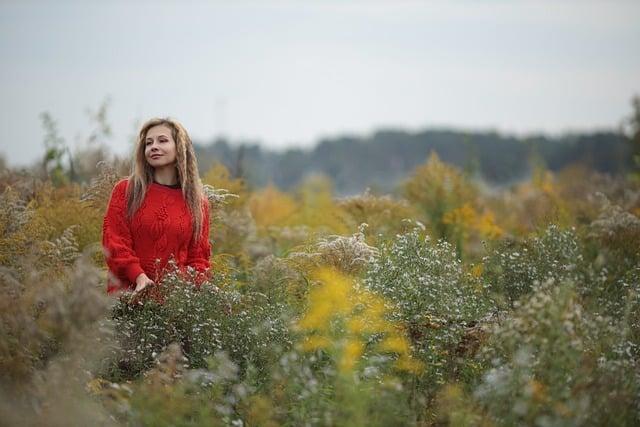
[633, 123]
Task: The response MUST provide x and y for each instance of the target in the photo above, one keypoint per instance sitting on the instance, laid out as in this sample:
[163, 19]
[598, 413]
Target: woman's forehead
[159, 130]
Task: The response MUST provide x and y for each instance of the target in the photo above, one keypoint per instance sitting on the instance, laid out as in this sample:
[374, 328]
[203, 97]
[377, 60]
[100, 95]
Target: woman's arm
[199, 250]
[117, 241]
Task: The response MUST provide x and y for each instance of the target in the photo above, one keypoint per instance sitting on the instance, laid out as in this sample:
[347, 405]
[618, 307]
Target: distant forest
[382, 161]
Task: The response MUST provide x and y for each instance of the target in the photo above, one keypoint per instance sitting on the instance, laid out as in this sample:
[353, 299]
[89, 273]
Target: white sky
[289, 72]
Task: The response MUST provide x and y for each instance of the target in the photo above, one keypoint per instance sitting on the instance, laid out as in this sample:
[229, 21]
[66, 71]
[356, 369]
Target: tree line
[381, 161]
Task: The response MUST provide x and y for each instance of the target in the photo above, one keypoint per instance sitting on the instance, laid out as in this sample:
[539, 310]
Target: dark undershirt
[174, 186]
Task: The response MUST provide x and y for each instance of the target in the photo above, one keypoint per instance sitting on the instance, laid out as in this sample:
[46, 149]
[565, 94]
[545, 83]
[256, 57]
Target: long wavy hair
[187, 168]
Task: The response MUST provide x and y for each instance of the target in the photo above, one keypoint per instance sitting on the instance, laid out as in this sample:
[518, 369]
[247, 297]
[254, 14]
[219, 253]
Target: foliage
[17, 232]
[432, 296]
[325, 311]
[348, 254]
[514, 268]
[347, 321]
[60, 208]
[98, 193]
[437, 189]
[270, 207]
[55, 149]
[317, 209]
[634, 133]
[219, 177]
[53, 332]
[202, 319]
[384, 214]
[555, 364]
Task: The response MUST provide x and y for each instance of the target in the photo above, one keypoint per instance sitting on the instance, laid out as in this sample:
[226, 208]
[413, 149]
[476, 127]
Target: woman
[157, 214]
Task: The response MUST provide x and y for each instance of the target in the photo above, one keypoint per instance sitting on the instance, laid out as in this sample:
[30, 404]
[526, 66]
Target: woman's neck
[166, 175]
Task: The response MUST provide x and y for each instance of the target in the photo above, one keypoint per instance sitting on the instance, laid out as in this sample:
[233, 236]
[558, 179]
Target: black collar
[174, 186]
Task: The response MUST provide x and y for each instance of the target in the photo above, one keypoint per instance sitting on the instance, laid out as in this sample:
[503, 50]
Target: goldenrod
[341, 317]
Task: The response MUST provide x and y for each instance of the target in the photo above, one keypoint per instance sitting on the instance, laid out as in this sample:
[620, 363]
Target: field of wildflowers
[441, 304]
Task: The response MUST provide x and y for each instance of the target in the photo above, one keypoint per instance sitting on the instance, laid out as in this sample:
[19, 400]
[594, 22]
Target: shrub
[436, 188]
[350, 254]
[555, 364]
[203, 320]
[514, 267]
[431, 294]
[383, 215]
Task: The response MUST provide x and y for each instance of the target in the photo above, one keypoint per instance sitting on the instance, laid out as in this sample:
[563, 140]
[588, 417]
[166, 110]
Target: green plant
[432, 295]
[514, 267]
[203, 319]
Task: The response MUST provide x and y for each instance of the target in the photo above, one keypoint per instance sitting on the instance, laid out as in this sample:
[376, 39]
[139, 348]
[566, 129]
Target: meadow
[444, 303]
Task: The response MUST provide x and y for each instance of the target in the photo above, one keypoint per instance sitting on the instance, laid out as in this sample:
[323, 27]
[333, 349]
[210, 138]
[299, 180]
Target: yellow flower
[477, 270]
[364, 324]
[329, 299]
[463, 217]
[341, 316]
[395, 344]
[357, 325]
[271, 207]
[407, 363]
[315, 342]
[317, 317]
[351, 353]
[486, 226]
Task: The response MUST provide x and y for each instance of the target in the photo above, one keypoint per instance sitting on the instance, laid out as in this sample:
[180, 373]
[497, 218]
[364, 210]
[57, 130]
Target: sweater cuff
[133, 271]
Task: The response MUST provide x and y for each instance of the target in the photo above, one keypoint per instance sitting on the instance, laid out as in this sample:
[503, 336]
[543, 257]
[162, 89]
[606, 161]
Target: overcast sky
[287, 73]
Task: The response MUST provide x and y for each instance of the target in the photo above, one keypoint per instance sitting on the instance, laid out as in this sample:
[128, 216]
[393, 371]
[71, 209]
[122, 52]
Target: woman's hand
[143, 284]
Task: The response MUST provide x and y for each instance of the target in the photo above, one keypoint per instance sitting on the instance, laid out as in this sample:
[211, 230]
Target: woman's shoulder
[119, 191]
[121, 185]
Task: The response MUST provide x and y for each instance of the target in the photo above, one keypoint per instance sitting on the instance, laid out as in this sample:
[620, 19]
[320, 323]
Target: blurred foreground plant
[348, 321]
[555, 364]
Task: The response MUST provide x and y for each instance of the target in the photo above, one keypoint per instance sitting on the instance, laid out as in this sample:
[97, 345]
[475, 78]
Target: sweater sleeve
[199, 250]
[117, 240]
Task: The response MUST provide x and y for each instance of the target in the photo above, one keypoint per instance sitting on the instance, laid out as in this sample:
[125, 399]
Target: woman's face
[159, 147]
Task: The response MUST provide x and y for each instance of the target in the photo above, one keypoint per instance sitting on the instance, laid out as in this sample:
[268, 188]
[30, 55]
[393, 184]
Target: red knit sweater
[159, 230]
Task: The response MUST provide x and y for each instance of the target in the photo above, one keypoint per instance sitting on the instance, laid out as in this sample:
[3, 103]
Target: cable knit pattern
[159, 230]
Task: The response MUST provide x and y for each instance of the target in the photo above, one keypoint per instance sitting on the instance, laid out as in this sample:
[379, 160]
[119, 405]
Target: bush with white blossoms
[202, 319]
[431, 294]
[513, 268]
[554, 364]
[613, 239]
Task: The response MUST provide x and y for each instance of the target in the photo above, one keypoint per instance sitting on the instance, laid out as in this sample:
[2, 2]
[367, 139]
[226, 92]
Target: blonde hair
[187, 168]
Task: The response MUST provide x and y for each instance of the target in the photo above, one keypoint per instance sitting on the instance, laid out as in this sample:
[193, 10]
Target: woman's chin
[158, 163]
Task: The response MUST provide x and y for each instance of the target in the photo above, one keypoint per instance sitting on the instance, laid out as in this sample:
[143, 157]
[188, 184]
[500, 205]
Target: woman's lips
[155, 156]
